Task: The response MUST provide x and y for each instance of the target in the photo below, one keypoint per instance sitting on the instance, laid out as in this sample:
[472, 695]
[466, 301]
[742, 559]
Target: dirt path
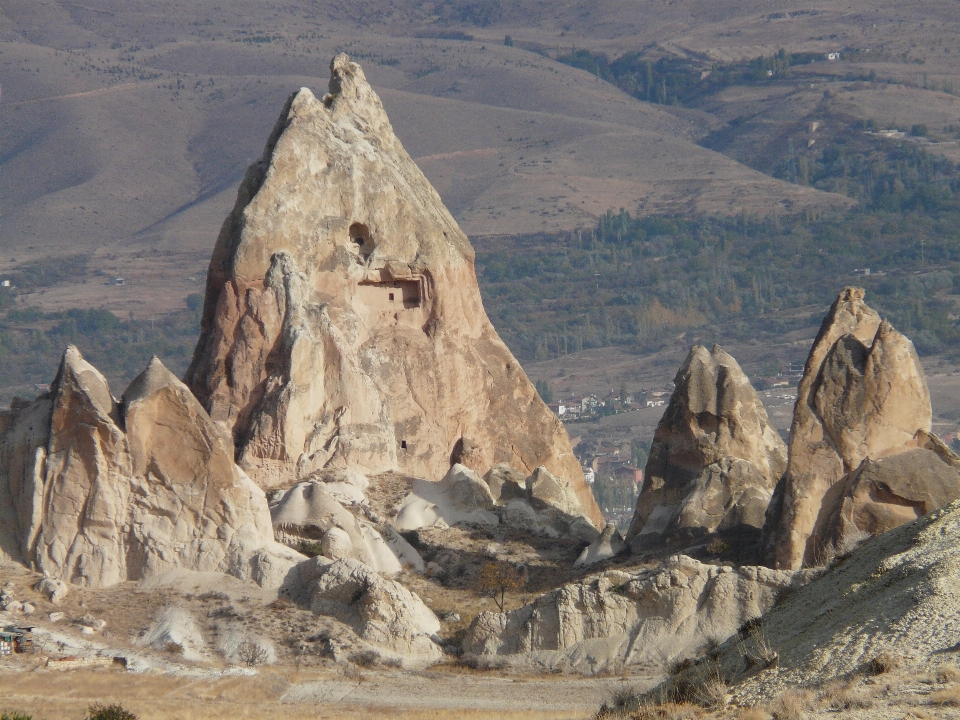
[443, 691]
[85, 94]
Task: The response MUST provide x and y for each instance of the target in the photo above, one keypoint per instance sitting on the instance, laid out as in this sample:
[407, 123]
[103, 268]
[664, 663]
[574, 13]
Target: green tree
[544, 391]
[508, 41]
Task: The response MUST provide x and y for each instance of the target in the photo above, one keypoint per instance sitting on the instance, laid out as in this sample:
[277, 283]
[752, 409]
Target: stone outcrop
[607, 546]
[890, 491]
[105, 491]
[542, 505]
[381, 611]
[715, 458]
[646, 618]
[343, 325]
[863, 395]
[308, 513]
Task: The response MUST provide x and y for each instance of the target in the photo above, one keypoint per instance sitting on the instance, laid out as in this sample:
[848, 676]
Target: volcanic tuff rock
[381, 611]
[102, 492]
[343, 325]
[617, 618]
[863, 395]
[715, 458]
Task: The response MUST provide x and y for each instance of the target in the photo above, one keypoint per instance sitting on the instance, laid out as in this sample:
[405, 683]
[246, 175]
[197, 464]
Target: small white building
[833, 56]
[4, 283]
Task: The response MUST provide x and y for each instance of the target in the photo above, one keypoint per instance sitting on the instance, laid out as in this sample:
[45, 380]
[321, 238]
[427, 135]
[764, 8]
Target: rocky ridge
[104, 491]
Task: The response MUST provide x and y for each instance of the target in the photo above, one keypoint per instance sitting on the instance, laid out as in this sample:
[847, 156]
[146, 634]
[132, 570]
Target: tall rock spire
[343, 325]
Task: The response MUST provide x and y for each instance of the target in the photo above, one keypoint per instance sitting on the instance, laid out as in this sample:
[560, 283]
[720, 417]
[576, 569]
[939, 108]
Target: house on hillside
[14, 639]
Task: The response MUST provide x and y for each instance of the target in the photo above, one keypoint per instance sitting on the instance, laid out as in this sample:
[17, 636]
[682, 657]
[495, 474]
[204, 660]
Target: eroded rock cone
[104, 492]
[714, 461]
[343, 325]
[863, 395]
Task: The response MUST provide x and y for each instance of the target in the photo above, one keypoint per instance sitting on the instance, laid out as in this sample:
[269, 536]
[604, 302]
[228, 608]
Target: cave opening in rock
[361, 239]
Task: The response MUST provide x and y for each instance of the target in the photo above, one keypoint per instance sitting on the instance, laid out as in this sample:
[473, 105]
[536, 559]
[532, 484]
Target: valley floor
[283, 691]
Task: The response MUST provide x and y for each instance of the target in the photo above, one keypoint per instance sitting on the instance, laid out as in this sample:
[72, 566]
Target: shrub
[252, 654]
[365, 658]
[883, 663]
[717, 547]
[790, 705]
[309, 548]
[109, 712]
[15, 716]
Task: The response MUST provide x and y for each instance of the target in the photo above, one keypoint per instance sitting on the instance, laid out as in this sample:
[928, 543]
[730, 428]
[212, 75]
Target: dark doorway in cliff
[361, 239]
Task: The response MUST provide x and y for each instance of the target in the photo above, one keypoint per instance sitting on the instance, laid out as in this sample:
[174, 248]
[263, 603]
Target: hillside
[125, 133]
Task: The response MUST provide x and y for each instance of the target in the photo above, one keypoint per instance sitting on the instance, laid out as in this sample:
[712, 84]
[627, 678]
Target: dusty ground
[291, 694]
[309, 680]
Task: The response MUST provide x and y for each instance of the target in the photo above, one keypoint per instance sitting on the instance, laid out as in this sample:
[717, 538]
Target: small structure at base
[15, 639]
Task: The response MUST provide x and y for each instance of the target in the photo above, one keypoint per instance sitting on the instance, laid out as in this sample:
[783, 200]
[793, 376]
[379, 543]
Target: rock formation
[307, 513]
[104, 491]
[381, 611]
[863, 395]
[715, 458]
[343, 326]
[890, 491]
[650, 617]
[607, 546]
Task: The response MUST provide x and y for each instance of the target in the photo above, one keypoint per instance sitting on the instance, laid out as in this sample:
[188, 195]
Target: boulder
[646, 618]
[863, 395]
[343, 325]
[505, 483]
[884, 493]
[608, 545]
[336, 544]
[307, 512]
[715, 457]
[466, 490]
[553, 491]
[381, 611]
[106, 491]
[55, 590]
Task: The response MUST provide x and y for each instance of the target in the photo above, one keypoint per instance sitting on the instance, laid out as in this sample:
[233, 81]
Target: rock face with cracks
[647, 618]
[715, 458]
[104, 491]
[343, 325]
[863, 396]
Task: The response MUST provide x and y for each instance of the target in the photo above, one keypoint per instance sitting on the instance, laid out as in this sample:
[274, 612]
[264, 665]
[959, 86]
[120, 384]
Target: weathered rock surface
[618, 618]
[863, 395]
[104, 492]
[896, 595]
[343, 326]
[460, 497]
[379, 610]
[608, 545]
[715, 458]
[505, 483]
[885, 493]
[307, 512]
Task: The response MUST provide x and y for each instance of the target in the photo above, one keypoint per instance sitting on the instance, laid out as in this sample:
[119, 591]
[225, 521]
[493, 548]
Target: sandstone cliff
[104, 491]
[863, 395]
[343, 325]
[715, 458]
